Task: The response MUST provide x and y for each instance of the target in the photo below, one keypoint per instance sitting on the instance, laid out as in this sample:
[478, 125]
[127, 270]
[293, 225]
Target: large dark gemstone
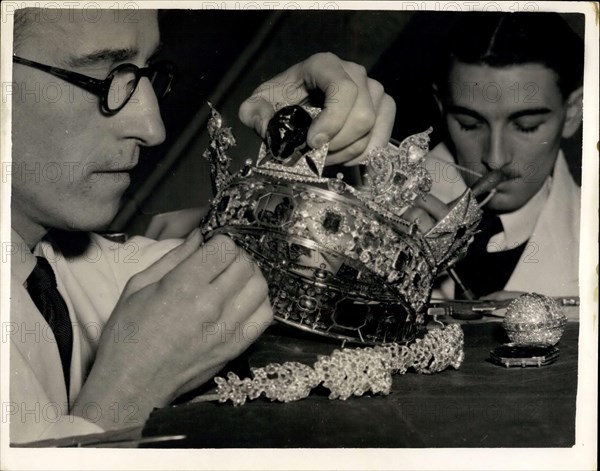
[286, 133]
[401, 261]
[399, 179]
[223, 204]
[417, 281]
[332, 222]
[347, 273]
[350, 315]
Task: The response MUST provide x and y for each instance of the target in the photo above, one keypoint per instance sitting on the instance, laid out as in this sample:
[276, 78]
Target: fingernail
[320, 140]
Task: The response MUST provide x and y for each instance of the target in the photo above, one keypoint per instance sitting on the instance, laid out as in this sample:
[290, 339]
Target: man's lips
[118, 164]
[120, 176]
[117, 170]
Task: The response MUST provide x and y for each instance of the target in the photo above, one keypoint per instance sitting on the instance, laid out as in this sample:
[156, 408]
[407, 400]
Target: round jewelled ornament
[534, 319]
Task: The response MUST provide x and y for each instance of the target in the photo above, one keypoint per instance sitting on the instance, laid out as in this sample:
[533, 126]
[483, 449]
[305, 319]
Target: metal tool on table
[126, 438]
[460, 309]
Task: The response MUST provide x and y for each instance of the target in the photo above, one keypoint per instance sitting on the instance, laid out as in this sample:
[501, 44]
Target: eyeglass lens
[126, 80]
[121, 88]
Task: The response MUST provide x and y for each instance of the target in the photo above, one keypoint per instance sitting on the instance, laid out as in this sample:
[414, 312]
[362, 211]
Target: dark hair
[505, 39]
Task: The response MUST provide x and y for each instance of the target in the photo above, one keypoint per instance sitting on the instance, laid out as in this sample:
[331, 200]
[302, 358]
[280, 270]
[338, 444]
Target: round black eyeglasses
[120, 84]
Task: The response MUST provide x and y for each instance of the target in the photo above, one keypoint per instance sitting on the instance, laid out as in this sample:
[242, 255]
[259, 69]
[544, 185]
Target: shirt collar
[519, 225]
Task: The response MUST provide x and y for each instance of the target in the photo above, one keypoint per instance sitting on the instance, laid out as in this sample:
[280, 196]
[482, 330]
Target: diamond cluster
[348, 372]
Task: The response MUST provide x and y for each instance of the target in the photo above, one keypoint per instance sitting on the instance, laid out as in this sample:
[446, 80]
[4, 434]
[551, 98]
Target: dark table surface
[479, 405]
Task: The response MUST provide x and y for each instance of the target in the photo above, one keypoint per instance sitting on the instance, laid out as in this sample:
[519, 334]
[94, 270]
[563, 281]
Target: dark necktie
[486, 272]
[41, 285]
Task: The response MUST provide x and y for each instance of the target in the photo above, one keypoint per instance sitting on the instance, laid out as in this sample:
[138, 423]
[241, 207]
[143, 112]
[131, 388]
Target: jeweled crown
[340, 260]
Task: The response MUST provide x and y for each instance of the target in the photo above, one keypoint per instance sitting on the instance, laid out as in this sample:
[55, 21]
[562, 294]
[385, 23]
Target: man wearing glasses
[107, 341]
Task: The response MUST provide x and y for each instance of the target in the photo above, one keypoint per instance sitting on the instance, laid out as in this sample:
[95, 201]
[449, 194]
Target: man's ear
[438, 98]
[574, 112]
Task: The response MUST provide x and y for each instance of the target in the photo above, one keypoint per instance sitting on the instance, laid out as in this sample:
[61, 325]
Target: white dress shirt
[91, 285]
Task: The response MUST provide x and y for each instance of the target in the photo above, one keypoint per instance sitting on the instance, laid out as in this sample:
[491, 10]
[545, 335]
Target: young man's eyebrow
[530, 112]
[455, 109]
[102, 55]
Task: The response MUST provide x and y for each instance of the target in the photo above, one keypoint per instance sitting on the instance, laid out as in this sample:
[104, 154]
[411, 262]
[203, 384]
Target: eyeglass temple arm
[91, 84]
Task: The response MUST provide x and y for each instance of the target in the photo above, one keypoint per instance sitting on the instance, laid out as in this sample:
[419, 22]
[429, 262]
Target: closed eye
[528, 129]
[467, 127]
[529, 120]
[527, 125]
[468, 123]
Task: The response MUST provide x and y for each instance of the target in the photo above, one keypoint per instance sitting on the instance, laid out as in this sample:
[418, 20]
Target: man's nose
[141, 118]
[497, 154]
